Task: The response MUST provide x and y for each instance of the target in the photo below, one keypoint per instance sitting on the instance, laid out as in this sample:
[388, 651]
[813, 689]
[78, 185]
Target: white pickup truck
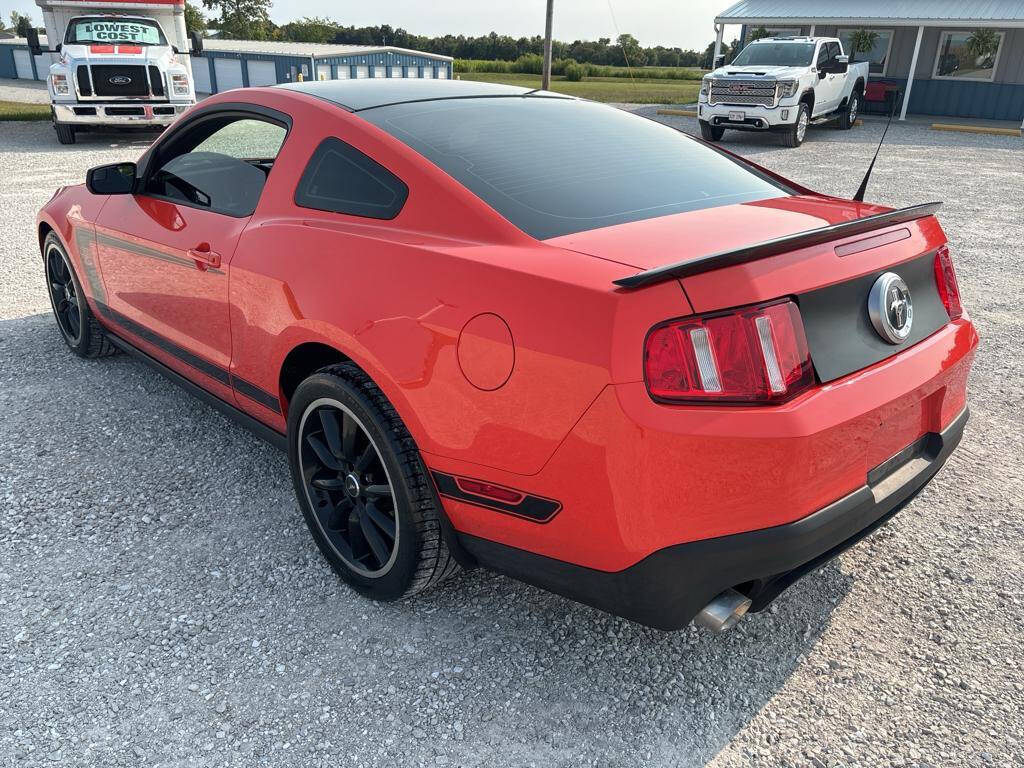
[115, 69]
[782, 84]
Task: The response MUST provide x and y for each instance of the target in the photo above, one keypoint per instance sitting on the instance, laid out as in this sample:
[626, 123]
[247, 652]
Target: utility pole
[545, 82]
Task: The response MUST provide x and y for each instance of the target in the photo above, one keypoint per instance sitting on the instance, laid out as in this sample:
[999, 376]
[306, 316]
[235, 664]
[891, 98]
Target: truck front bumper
[118, 114]
[754, 117]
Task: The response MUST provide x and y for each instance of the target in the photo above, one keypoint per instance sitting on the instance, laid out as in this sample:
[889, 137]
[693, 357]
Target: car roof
[356, 95]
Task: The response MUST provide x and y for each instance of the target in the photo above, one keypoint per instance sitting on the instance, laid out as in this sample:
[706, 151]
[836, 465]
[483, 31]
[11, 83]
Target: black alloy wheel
[348, 488]
[64, 296]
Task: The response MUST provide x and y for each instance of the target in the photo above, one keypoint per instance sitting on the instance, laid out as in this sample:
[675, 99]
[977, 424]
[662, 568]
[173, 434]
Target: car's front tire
[76, 322]
[710, 132]
[794, 137]
[363, 487]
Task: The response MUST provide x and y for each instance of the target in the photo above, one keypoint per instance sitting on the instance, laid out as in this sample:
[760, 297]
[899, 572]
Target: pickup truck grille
[119, 80]
[744, 92]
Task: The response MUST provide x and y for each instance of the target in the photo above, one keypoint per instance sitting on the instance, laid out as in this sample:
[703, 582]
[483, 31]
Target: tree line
[250, 20]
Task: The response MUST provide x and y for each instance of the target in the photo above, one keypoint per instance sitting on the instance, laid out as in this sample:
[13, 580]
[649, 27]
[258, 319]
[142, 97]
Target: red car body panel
[513, 360]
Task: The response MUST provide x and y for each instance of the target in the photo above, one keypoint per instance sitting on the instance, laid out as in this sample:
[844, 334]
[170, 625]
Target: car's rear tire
[794, 137]
[65, 133]
[849, 116]
[76, 322]
[363, 488]
[710, 132]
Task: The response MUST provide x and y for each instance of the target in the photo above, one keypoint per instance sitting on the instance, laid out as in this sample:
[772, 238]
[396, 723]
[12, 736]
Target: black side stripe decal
[534, 508]
[152, 253]
[214, 371]
[256, 394]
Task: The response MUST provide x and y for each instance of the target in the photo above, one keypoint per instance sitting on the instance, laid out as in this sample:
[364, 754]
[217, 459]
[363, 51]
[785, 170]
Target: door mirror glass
[115, 179]
[197, 43]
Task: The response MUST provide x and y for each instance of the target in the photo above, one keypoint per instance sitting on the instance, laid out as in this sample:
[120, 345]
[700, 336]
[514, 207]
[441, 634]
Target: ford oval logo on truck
[119, 80]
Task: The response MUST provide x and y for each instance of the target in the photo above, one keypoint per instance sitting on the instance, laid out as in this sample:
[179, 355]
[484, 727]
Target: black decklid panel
[839, 331]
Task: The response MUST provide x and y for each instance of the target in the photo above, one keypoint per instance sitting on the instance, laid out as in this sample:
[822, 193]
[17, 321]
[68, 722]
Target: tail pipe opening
[724, 612]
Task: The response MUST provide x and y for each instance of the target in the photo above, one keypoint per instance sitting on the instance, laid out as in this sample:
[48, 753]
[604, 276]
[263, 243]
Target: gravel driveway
[161, 602]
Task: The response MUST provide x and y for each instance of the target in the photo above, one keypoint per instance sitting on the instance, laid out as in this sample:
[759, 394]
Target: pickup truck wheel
[363, 487]
[846, 122]
[710, 132]
[65, 133]
[794, 137]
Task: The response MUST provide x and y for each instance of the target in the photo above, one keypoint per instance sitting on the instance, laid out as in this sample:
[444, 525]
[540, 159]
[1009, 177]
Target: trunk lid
[830, 281]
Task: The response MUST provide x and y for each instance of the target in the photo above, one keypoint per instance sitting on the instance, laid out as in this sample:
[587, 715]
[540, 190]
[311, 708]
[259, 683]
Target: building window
[968, 55]
[877, 57]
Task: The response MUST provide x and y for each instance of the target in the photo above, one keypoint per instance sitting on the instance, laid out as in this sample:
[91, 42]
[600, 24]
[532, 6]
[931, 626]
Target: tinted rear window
[557, 166]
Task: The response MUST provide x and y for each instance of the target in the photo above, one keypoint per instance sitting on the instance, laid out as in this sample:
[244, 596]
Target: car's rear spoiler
[778, 245]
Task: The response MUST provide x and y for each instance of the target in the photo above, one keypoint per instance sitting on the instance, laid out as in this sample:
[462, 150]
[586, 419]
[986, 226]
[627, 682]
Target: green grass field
[14, 110]
[615, 89]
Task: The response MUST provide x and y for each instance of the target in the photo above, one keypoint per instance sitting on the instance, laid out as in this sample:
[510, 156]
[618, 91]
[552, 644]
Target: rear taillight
[748, 355]
[945, 280]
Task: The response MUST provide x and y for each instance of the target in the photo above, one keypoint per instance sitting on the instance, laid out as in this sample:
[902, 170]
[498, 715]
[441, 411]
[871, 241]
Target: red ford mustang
[511, 328]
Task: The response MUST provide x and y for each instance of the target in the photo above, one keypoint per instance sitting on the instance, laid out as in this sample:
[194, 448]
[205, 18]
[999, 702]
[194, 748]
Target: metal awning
[915, 13]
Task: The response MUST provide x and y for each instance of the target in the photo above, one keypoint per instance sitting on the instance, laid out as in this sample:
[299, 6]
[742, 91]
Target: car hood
[778, 73]
[655, 242]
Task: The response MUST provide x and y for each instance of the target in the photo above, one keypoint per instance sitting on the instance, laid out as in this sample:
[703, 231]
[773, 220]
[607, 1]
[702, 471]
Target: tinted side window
[822, 56]
[221, 164]
[341, 179]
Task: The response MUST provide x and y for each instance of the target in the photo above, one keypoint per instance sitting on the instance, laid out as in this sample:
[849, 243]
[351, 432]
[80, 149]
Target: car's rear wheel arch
[44, 230]
[304, 360]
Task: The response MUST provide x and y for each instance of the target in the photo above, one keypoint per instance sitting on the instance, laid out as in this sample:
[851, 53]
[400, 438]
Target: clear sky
[683, 23]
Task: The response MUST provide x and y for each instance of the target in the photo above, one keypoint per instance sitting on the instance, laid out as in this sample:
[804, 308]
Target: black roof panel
[376, 92]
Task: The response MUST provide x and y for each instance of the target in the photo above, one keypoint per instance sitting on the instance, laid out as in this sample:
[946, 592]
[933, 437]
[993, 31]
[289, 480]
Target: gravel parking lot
[161, 602]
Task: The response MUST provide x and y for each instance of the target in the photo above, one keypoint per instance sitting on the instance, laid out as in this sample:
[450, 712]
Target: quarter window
[968, 55]
[220, 164]
[341, 179]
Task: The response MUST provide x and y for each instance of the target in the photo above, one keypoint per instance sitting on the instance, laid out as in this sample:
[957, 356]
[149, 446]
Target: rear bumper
[669, 587]
[113, 113]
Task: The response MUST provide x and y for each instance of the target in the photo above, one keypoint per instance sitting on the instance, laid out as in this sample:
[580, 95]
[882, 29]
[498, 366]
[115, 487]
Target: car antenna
[859, 197]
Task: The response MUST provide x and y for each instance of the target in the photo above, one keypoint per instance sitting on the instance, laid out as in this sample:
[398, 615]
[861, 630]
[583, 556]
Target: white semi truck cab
[116, 64]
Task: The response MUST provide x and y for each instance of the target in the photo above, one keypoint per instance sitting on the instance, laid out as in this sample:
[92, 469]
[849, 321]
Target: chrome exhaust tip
[724, 612]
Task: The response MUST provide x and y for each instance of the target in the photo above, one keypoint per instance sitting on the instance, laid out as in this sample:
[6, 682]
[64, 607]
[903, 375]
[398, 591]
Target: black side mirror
[719, 61]
[57, 47]
[115, 179]
[33, 41]
[197, 42]
[174, 48]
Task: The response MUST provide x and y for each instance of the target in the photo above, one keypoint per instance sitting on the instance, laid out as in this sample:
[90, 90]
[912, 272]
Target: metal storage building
[966, 56]
[227, 64]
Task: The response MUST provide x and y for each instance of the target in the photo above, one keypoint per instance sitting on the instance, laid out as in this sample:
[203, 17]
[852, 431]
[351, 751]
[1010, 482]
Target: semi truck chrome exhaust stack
[724, 612]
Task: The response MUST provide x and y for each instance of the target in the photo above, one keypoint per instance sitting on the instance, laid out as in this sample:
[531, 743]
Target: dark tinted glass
[775, 55]
[210, 180]
[221, 163]
[557, 166]
[342, 179]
